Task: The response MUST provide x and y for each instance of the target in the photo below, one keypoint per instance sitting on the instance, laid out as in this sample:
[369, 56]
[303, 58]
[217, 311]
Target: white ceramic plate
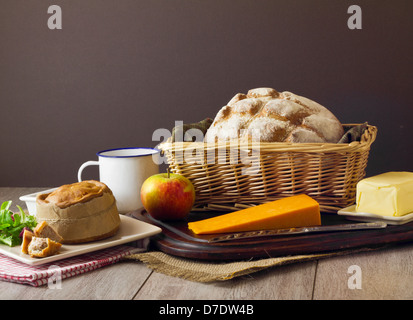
[130, 230]
[351, 214]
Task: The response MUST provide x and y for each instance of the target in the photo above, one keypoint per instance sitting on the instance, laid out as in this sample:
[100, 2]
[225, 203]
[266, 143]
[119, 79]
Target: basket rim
[367, 139]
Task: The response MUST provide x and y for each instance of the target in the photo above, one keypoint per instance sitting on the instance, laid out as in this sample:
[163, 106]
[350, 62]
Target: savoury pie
[80, 212]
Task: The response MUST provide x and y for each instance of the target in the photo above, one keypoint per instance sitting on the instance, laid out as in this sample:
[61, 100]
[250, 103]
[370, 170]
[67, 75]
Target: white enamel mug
[124, 170]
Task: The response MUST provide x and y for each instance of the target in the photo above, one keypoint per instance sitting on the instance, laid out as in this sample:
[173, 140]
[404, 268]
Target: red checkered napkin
[16, 271]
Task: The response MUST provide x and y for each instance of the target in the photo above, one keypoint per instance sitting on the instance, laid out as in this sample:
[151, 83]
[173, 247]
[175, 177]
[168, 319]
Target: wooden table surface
[384, 274]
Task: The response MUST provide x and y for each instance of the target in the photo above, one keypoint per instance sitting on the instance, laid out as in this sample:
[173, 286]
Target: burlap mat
[203, 271]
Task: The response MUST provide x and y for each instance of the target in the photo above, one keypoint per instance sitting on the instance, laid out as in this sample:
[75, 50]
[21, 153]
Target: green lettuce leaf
[12, 224]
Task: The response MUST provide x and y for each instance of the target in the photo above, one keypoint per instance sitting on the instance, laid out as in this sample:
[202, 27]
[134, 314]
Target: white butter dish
[351, 214]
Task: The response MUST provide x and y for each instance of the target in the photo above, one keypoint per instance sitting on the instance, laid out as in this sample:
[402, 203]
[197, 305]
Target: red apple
[168, 196]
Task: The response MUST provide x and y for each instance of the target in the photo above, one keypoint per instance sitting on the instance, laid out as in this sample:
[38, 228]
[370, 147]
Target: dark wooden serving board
[176, 239]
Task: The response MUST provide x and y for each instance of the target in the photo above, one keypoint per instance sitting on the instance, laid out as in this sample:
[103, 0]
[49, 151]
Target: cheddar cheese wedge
[290, 212]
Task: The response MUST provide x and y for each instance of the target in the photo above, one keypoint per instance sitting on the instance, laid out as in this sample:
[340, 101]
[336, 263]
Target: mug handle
[86, 164]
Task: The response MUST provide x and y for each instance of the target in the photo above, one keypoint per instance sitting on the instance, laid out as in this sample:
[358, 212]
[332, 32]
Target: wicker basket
[228, 175]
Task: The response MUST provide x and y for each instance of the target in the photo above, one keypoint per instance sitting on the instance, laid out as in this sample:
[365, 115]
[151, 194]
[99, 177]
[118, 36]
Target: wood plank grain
[285, 282]
[120, 281]
[385, 274]
[14, 194]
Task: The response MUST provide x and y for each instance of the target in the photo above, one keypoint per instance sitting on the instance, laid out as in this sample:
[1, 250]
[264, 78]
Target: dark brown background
[120, 69]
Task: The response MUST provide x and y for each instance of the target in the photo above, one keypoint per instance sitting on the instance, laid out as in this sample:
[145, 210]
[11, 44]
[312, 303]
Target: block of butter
[387, 194]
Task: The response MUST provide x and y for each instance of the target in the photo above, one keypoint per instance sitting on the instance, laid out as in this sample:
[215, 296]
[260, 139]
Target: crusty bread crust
[266, 115]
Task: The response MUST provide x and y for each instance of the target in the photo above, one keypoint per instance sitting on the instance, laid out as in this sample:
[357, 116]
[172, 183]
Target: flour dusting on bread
[277, 117]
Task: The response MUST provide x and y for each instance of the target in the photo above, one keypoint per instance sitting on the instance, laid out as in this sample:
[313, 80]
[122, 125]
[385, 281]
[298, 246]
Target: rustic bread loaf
[266, 115]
